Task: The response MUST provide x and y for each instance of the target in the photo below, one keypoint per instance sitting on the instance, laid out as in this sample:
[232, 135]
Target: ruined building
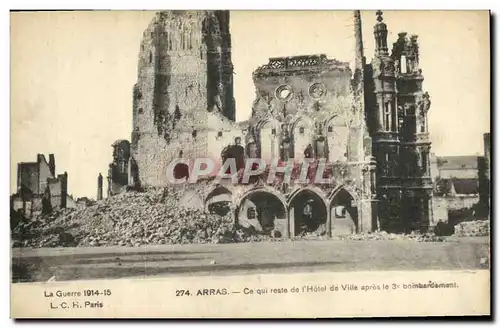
[39, 189]
[118, 172]
[368, 123]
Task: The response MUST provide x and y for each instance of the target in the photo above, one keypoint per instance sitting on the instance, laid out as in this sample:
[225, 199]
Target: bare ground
[36, 265]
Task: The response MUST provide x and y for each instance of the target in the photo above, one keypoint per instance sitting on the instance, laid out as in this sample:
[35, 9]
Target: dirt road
[30, 265]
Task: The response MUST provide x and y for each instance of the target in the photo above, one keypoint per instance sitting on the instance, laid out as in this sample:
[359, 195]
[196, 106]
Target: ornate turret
[380, 32]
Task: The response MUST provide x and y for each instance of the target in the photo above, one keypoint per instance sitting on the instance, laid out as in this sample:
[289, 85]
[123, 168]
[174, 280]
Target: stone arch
[218, 200]
[234, 150]
[302, 130]
[264, 209]
[308, 208]
[268, 129]
[344, 204]
[337, 138]
[311, 188]
[352, 192]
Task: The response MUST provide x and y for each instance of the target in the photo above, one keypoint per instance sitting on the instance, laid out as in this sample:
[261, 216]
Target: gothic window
[301, 130]
[273, 132]
[387, 116]
[150, 57]
[330, 129]
[170, 43]
[194, 133]
[190, 40]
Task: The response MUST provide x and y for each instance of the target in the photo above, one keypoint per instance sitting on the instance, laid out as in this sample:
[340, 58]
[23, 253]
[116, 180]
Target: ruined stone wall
[44, 172]
[57, 191]
[27, 176]
[313, 97]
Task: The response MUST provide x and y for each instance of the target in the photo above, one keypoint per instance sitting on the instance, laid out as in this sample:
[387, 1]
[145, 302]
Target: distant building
[118, 173]
[462, 182]
[39, 189]
[456, 175]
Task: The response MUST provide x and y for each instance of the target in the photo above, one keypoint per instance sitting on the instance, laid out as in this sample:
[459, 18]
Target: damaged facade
[39, 189]
[369, 124]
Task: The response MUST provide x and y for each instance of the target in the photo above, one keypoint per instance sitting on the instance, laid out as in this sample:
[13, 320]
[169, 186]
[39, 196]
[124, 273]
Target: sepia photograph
[184, 145]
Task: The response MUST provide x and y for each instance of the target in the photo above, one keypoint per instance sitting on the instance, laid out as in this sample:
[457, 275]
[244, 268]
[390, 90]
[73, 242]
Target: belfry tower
[184, 72]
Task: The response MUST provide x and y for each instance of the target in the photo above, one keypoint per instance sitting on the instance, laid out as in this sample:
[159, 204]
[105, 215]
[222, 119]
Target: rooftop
[457, 162]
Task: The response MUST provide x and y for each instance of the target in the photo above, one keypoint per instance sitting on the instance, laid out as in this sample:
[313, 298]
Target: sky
[72, 75]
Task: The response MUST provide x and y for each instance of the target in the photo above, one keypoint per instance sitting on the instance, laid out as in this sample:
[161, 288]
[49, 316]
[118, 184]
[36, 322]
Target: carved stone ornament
[425, 104]
[389, 68]
[317, 90]
[284, 92]
[300, 99]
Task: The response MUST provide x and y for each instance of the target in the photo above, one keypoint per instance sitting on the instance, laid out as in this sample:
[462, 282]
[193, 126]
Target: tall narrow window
[425, 159]
[122, 166]
[150, 57]
[387, 164]
[423, 124]
[394, 120]
[387, 116]
[403, 65]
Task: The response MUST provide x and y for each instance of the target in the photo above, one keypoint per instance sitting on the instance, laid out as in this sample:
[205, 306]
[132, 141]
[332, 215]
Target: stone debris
[155, 217]
[478, 228]
[131, 219]
[382, 235]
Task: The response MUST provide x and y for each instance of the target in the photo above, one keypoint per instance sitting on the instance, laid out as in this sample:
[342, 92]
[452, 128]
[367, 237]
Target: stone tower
[413, 106]
[382, 100]
[184, 73]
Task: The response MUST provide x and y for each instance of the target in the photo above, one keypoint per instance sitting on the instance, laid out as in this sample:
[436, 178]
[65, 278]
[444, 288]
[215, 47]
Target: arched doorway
[344, 213]
[308, 213]
[337, 135]
[302, 132]
[218, 201]
[268, 144]
[236, 151]
[263, 210]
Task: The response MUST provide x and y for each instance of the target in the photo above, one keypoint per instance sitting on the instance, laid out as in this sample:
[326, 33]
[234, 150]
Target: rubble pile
[131, 219]
[156, 217]
[477, 228]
